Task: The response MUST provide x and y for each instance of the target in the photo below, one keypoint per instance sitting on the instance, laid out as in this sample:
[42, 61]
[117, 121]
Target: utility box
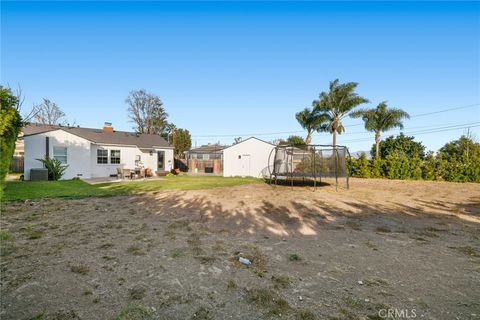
[39, 174]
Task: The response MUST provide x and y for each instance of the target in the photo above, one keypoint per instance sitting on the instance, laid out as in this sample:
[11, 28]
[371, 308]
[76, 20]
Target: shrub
[430, 167]
[377, 168]
[10, 125]
[416, 168]
[400, 144]
[459, 160]
[55, 168]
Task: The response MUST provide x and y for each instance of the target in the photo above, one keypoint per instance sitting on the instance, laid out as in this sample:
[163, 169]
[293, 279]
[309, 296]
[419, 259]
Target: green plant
[296, 140]
[334, 105]
[430, 167]
[5, 235]
[416, 168]
[311, 121]
[35, 234]
[400, 144]
[294, 257]
[377, 167]
[10, 126]
[55, 167]
[380, 119]
[459, 160]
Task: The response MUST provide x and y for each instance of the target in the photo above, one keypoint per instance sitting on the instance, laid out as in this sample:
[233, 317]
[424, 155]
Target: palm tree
[381, 119]
[310, 121]
[334, 105]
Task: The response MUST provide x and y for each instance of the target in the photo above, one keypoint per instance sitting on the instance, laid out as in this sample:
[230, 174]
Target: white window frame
[60, 156]
[119, 156]
[106, 156]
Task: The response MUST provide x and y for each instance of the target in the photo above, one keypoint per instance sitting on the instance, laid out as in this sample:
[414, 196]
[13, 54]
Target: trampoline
[309, 163]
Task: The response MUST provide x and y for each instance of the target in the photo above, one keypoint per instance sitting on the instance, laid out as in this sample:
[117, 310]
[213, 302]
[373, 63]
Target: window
[60, 153]
[114, 156]
[102, 156]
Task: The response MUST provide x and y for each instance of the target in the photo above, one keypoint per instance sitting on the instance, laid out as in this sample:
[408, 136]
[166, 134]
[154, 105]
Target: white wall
[127, 159]
[82, 155]
[247, 158]
[78, 152]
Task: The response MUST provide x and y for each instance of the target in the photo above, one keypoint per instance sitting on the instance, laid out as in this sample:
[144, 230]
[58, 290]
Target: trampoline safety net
[310, 164]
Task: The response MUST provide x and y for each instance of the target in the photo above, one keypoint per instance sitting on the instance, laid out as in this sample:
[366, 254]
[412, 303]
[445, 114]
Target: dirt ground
[408, 246]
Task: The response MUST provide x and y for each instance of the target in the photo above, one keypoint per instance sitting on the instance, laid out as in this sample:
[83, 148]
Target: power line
[346, 126]
[421, 132]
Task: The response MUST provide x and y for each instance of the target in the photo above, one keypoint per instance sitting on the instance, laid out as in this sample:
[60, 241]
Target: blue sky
[225, 69]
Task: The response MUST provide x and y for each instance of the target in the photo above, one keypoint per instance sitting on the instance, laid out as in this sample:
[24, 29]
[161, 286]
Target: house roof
[208, 148]
[100, 136]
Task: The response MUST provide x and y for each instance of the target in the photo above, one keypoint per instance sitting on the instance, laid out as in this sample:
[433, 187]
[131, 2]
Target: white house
[91, 153]
[249, 158]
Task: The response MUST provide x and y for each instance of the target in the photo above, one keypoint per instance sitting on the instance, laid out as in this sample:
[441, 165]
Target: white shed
[249, 158]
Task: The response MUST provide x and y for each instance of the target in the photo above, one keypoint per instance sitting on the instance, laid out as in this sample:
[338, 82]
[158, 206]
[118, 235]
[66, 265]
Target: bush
[397, 166]
[10, 125]
[360, 167]
[400, 144]
[430, 167]
[377, 168]
[459, 160]
[55, 168]
[415, 168]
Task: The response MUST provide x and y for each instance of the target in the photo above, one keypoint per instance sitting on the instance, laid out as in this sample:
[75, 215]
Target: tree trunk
[308, 138]
[377, 144]
[334, 138]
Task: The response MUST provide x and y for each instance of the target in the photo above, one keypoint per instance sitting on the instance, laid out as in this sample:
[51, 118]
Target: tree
[400, 144]
[183, 142]
[170, 132]
[310, 120]
[10, 126]
[48, 112]
[296, 140]
[146, 112]
[334, 105]
[459, 160]
[380, 119]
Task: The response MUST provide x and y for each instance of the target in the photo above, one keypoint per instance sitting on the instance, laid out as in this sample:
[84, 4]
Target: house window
[60, 153]
[114, 156]
[102, 156]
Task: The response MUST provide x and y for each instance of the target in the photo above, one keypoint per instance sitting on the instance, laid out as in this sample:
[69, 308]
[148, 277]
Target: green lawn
[22, 190]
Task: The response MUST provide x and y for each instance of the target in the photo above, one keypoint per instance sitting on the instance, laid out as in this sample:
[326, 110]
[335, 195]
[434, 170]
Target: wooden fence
[17, 164]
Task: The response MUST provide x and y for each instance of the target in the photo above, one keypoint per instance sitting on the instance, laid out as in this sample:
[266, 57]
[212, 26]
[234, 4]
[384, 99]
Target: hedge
[460, 165]
[10, 126]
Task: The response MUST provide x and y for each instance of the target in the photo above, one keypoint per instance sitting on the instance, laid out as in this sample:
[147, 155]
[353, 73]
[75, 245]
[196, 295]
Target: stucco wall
[247, 159]
[127, 159]
[78, 152]
[82, 155]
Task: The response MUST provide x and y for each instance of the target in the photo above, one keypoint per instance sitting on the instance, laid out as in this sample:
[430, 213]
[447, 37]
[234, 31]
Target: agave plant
[56, 169]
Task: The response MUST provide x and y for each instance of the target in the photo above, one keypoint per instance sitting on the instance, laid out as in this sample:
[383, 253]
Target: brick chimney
[107, 127]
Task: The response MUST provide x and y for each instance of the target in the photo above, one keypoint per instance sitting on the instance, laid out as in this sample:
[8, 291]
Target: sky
[229, 69]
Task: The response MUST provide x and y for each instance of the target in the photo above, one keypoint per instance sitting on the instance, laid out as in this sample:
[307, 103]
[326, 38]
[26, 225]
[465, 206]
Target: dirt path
[411, 246]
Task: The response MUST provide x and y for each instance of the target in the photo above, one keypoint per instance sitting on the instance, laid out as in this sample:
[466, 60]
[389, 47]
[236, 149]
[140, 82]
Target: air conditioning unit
[39, 174]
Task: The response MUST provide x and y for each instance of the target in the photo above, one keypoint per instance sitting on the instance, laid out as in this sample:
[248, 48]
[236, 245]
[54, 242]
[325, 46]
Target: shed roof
[208, 148]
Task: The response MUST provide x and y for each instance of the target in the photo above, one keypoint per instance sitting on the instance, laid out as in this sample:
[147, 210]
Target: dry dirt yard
[405, 245]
